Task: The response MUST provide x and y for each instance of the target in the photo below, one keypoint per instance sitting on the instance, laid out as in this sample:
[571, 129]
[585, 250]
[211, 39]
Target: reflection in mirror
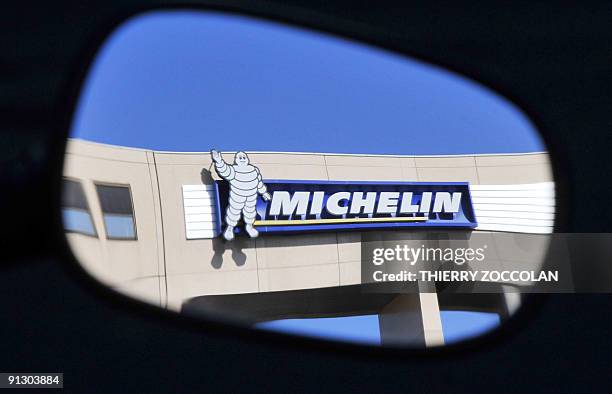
[238, 169]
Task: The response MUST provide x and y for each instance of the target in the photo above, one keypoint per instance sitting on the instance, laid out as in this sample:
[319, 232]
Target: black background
[553, 60]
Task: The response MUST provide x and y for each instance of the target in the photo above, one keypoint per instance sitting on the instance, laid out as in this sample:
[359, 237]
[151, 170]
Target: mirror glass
[244, 170]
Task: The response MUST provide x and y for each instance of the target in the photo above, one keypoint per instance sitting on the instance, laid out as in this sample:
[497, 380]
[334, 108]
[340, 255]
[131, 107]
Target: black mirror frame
[347, 30]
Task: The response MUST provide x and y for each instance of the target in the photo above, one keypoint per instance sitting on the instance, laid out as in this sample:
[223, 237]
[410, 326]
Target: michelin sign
[276, 206]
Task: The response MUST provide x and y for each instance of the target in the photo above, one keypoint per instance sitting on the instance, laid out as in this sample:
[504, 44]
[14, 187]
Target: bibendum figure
[245, 184]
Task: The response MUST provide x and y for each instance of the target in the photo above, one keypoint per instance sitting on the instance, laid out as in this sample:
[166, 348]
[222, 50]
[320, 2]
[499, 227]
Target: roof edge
[79, 140]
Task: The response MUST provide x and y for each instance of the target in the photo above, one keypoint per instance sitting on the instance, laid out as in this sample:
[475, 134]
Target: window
[75, 211]
[116, 203]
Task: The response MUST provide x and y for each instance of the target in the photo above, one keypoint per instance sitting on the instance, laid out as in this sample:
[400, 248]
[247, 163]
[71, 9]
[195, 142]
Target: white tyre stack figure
[245, 183]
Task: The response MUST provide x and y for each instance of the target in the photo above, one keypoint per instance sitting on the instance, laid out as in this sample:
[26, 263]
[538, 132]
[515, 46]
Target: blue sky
[181, 81]
[184, 81]
[456, 325]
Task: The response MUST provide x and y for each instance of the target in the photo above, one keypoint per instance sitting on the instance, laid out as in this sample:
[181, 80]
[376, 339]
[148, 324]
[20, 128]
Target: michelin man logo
[245, 184]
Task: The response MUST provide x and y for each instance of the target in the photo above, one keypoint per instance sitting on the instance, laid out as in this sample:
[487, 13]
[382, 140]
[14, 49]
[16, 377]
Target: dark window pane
[115, 199]
[116, 203]
[75, 211]
[73, 195]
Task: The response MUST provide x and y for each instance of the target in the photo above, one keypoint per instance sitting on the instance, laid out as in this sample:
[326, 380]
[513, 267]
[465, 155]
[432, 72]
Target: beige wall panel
[200, 159]
[350, 273]
[130, 261]
[478, 240]
[512, 160]
[349, 246]
[295, 278]
[284, 158]
[173, 177]
[106, 152]
[448, 174]
[364, 161]
[355, 173]
[204, 158]
[408, 162]
[409, 174]
[144, 289]
[521, 251]
[461, 161]
[182, 287]
[296, 250]
[515, 174]
[287, 171]
[211, 255]
[88, 252]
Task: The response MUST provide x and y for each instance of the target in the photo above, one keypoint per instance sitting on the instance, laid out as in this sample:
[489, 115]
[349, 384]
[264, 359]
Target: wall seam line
[161, 216]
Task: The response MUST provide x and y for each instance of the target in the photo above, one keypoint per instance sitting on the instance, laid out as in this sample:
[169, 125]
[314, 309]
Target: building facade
[153, 234]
